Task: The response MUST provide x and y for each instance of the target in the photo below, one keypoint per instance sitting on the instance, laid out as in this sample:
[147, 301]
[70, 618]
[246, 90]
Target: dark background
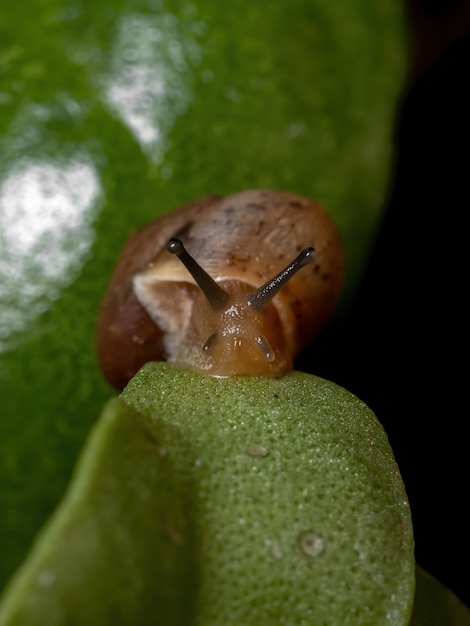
[403, 349]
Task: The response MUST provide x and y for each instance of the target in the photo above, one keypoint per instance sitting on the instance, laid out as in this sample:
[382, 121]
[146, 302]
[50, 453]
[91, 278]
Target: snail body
[239, 303]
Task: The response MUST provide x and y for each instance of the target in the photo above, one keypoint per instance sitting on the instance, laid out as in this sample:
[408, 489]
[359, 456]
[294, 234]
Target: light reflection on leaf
[46, 232]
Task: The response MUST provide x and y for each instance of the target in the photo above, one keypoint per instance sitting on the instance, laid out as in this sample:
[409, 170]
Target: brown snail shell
[154, 308]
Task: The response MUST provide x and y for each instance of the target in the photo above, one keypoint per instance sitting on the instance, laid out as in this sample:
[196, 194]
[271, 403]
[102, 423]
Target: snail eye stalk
[262, 296]
[216, 296]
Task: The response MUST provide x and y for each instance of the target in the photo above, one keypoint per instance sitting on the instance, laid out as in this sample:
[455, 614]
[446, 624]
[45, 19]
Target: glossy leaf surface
[112, 112]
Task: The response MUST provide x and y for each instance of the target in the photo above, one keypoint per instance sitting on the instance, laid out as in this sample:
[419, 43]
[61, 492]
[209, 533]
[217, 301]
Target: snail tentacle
[262, 296]
[216, 296]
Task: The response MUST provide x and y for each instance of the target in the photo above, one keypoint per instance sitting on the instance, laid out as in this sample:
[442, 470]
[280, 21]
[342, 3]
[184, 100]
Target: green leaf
[113, 112]
[435, 605]
[211, 501]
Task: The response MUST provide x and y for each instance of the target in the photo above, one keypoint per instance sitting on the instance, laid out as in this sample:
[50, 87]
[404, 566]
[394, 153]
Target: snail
[224, 286]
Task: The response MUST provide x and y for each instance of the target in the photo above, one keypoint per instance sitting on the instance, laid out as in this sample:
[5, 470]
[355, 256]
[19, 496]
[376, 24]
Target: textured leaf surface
[226, 501]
